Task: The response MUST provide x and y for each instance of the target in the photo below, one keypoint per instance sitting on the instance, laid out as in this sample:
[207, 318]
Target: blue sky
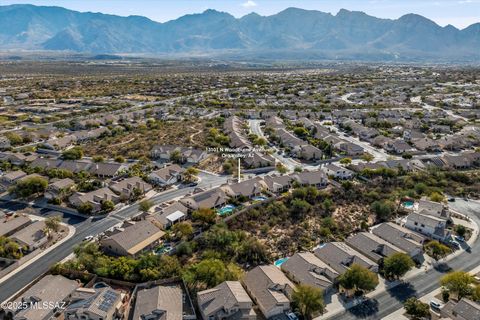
[459, 13]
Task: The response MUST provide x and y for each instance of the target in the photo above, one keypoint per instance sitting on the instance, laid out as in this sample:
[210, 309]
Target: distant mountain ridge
[292, 34]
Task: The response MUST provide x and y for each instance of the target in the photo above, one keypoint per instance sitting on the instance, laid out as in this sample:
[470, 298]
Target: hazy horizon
[443, 12]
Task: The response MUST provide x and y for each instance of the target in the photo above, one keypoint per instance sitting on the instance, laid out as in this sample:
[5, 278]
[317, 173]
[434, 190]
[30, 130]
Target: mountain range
[291, 34]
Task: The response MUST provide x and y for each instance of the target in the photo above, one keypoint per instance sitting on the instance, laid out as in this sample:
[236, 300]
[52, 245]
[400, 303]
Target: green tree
[15, 139]
[461, 230]
[436, 197]
[119, 159]
[145, 205]
[358, 278]
[176, 156]
[346, 161]
[205, 215]
[85, 208]
[190, 175]
[383, 209]
[367, 157]
[281, 168]
[107, 206]
[52, 224]
[98, 159]
[9, 249]
[253, 252]
[308, 300]
[437, 250]
[183, 230]
[397, 265]
[74, 153]
[30, 186]
[416, 308]
[458, 282]
[211, 272]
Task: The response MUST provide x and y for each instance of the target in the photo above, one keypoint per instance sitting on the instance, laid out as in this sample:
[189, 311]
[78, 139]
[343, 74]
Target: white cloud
[249, 4]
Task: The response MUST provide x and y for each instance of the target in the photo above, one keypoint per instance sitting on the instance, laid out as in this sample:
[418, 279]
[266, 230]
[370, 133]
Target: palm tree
[52, 224]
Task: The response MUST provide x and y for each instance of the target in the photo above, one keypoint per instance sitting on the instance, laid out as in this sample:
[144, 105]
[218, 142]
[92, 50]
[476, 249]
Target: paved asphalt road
[85, 228]
[387, 302]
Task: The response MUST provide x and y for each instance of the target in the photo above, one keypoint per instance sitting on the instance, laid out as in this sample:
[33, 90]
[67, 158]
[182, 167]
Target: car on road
[459, 239]
[455, 244]
[451, 199]
[435, 304]
[292, 316]
[88, 238]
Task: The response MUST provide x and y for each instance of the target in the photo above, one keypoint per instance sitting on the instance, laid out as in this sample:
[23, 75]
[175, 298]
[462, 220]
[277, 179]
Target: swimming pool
[408, 204]
[279, 262]
[226, 209]
[259, 198]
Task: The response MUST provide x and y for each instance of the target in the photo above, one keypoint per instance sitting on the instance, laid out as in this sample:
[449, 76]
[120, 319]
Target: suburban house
[270, 289]
[213, 198]
[305, 268]
[259, 160]
[431, 226]
[373, 247]
[186, 155]
[170, 214]
[465, 160]
[9, 226]
[11, 177]
[274, 122]
[307, 152]
[278, 184]
[96, 304]
[107, 169]
[95, 198]
[399, 146]
[4, 143]
[233, 128]
[164, 302]
[32, 236]
[402, 238]
[167, 175]
[50, 288]
[228, 300]
[341, 257]
[248, 188]
[349, 148]
[432, 208]
[311, 178]
[465, 309]
[59, 188]
[128, 187]
[133, 239]
[332, 170]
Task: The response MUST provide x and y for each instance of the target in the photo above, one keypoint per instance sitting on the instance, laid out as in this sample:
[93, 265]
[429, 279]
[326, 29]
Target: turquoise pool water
[279, 262]
[408, 204]
[226, 209]
[259, 198]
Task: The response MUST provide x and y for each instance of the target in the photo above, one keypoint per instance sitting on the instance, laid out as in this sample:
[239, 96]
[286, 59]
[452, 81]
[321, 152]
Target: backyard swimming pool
[408, 204]
[279, 262]
[226, 209]
[259, 198]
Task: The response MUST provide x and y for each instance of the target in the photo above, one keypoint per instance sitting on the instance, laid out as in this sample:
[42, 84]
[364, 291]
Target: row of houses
[298, 147]
[234, 128]
[270, 288]
[55, 296]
